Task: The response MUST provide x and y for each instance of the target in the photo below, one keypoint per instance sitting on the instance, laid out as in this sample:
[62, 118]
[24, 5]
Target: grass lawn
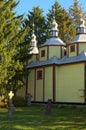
[33, 118]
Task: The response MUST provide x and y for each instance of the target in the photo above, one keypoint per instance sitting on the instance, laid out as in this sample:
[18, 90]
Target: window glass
[72, 48]
[43, 53]
[39, 75]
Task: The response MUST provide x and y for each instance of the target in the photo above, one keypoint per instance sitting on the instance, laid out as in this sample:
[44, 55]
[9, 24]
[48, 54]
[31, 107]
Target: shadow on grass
[33, 118]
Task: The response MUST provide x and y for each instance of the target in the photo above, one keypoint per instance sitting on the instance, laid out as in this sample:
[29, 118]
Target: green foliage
[19, 101]
[75, 12]
[12, 33]
[2, 104]
[36, 16]
[3, 101]
[33, 118]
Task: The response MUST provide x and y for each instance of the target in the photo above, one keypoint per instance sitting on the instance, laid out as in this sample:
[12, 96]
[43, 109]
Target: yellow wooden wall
[48, 83]
[31, 82]
[39, 87]
[82, 47]
[54, 51]
[70, 83]
[70, 54]
[33, 58]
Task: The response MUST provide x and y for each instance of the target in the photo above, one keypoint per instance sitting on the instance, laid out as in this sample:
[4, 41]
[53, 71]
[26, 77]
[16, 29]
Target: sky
[26, 5]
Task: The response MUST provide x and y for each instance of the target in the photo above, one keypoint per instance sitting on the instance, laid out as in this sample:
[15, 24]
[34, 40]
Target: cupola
[81, 29]
[54, 26]
[53, 46]
[33, 48]
[78, 44]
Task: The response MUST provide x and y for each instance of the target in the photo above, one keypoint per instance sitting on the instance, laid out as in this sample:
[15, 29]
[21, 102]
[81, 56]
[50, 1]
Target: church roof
[79, 38]
[54, 41]
[81, 57]
[54, 60]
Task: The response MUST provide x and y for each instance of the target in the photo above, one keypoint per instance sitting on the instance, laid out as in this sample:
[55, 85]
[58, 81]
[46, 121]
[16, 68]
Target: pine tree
[11, 34]
[36, 16]
[67, 31]
[75, 12]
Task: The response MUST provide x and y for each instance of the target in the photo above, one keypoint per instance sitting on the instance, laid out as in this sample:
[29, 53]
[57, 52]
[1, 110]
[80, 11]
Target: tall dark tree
[11, 34]
[36, 16]
[75, 12]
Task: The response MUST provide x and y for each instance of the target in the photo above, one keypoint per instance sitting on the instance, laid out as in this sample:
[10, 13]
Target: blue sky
[26, 5]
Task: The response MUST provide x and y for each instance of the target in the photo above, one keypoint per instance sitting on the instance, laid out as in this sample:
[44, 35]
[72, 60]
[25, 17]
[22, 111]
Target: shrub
[3, 101]
[19, 101]
[2, 104]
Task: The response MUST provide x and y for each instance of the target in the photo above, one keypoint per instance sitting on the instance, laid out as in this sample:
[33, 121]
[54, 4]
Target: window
[72, 48]
[39, 75]
[43, 53]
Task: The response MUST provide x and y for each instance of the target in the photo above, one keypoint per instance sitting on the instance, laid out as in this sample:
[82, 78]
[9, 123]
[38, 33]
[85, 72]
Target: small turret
[33, 48]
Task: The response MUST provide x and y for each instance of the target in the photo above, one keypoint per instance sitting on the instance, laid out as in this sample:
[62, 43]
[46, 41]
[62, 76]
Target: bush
[3, 104]
[3, 101]
[19, 101]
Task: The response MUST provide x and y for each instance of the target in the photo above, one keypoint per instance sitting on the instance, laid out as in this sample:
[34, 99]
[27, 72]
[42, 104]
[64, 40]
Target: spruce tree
[37, 17]
[12, 33]
[75, 11]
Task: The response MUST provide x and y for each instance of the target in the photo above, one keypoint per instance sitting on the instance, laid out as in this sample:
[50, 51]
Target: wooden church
[56, 75]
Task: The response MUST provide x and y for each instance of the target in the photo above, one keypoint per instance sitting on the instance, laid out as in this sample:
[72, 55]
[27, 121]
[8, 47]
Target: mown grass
[34, 118]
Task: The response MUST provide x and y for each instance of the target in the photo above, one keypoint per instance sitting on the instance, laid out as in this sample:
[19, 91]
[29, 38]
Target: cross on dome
[54, 26]
[81, 21]
[54, 10]
[81, 29]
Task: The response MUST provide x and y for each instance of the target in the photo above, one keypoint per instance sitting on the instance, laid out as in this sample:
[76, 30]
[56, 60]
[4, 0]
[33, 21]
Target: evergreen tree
[64, 22]
[75, 12]
[36, 16]
[11, 34]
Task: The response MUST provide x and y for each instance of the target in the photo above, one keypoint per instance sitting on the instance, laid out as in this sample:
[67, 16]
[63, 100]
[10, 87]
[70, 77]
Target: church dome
[54, 39]
[80, 32]
[54, 25]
